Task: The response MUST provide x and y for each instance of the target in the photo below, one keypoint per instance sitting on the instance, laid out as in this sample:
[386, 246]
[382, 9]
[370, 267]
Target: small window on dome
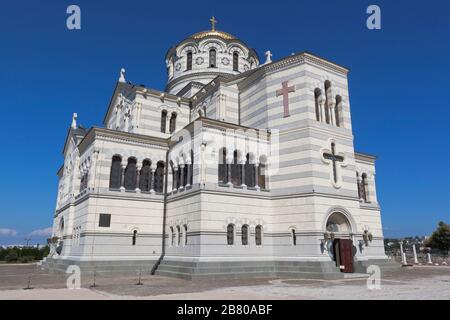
[235, 61]
[212, 58]
[189, 61]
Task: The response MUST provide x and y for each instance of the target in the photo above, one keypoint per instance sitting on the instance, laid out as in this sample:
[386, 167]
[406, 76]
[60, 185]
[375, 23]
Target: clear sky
[399, 87]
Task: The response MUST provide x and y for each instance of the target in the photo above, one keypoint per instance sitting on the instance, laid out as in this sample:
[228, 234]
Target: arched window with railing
[130, 181]
[115, 175]
[159, 177]
[222, 167]
[262, 173]
[145, 176]
[249, 171]
[236, 170]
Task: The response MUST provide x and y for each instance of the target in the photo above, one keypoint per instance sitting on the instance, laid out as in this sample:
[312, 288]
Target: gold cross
[213, 23]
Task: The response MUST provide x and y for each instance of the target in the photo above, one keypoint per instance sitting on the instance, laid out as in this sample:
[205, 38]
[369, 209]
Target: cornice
[121, 137]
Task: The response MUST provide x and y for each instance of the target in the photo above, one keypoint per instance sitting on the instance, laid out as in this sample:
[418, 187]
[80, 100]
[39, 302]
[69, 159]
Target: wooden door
[343, 251]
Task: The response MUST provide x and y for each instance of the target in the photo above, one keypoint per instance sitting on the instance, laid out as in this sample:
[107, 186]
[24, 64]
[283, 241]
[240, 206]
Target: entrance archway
[341, 246]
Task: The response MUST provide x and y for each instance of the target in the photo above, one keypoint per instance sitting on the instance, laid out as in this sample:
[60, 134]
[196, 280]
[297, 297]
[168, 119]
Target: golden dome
[217, 33]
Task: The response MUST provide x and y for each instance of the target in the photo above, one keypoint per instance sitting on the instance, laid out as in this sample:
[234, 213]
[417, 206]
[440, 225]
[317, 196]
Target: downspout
[163, 249]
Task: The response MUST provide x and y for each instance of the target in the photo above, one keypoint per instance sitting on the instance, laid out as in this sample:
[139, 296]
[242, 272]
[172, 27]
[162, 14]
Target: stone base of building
[100, 267]
[214, 270]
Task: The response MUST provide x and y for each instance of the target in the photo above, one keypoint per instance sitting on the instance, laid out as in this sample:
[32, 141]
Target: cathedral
[238, 168]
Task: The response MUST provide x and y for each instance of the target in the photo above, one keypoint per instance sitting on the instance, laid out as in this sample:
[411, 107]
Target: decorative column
[93, 168]
[202, 165]
[152, 178]
[138, 178]
[122, 182]
[169, 116]
[169, 179]
[415, 254]
[175, 179]
[322, 108]
[182, 177]
[256, 175]
[242, 164]
[429, 258]
[358, 181]
[229, 162]
[188, 174]
[332, 114]
[404, 258]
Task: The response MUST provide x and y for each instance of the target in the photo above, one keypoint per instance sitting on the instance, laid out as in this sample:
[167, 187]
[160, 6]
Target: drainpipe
[163, 249]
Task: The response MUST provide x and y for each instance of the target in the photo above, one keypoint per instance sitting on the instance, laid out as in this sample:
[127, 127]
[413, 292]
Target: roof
[216, 33]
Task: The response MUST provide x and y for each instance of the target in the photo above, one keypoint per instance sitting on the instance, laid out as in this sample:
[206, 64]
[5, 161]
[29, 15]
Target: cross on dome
[213, 23]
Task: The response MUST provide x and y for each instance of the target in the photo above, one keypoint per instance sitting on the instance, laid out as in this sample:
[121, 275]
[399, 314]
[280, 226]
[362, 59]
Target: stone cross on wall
[334, 159]
[284, 91]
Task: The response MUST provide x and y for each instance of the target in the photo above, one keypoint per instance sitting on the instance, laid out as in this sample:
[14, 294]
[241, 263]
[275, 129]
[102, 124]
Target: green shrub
[26, 259]
[11, 257]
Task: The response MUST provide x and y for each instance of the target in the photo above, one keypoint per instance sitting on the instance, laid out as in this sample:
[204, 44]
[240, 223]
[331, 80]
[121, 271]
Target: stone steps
[253, 269]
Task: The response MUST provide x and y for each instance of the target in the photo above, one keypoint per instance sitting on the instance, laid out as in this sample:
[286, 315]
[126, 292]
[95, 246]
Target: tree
[440, 239]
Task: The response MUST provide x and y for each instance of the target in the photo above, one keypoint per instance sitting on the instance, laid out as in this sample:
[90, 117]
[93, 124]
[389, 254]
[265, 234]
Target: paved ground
[419, 282]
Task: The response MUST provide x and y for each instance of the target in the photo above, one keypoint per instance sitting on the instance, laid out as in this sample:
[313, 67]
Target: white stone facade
[224, 166]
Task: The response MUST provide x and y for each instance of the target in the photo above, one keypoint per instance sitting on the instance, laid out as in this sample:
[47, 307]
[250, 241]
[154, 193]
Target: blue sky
[399, 87]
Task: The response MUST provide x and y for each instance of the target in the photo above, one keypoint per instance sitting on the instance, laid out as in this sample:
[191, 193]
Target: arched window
[236, 172]
[173, 122]
[189, 61]
[230, 234]
[178, 175]
[172, 236]
[185, 174]
[262, 175]
[115, 175]
[258, 235]
[212, 58]
[159, 177]
[364, 187]
[244, 236]
[185, 234]
[130, 175]
[249, 172]
[327, 92]
[294, 237]
[223, 172]
[145, 176]
[235, 61]
[338, 110]
[163, 121]
[178, 236]
[358, 184]
[133, 241]
[317, 93]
